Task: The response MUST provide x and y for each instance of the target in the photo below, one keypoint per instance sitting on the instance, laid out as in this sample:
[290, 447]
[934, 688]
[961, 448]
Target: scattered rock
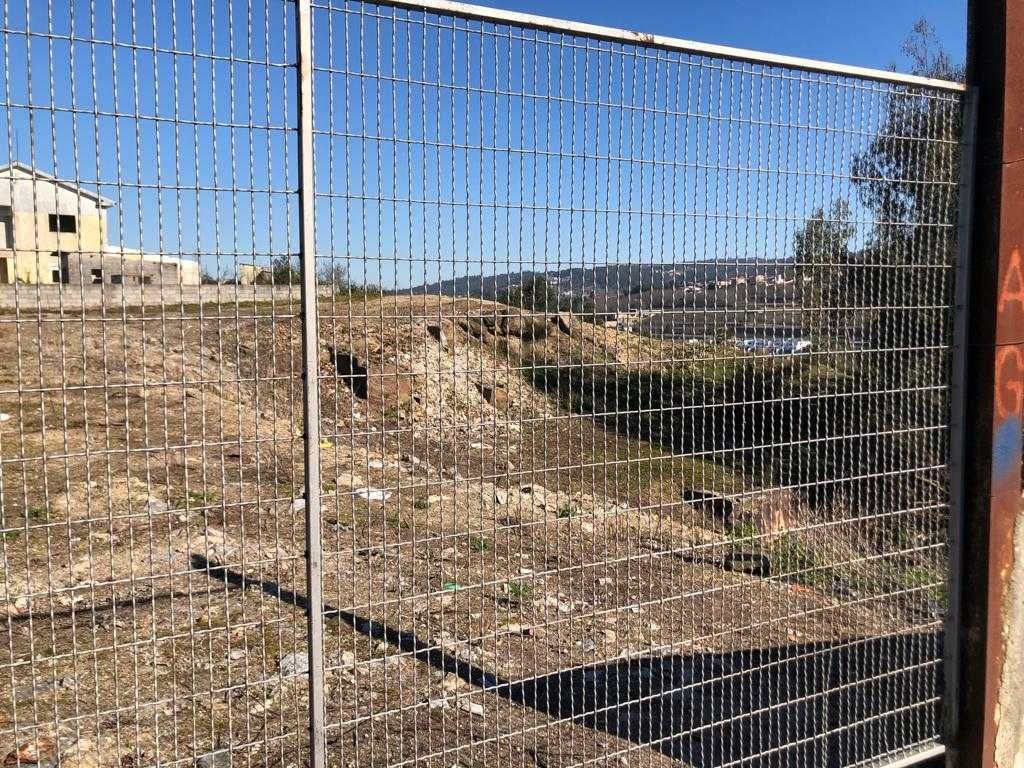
[373, 494]
[525, 327]
[348, 480]
[30, 692]
[81, 754]
[475, 709]
[495, 395]
[564, 322]
[220, 758]
[481, 327]
[40, 752]
[438, 334]
[348, 659]
[298, 505]
[236, 654]
[500, 497]
[750, 563]
[214, 547]
[769, 513]
[609, 635]
[387, 387]
[293, 664]
[452, 683]
[514, 629]
[710, 504]
[375, 464]
[4, 417]
[155, 506]
[537, 493]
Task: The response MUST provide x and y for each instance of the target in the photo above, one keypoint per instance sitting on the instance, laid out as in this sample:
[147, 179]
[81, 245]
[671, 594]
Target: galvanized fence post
[311, 385]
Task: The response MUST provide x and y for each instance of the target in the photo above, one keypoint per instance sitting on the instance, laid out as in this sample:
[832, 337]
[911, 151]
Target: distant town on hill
[616, 288]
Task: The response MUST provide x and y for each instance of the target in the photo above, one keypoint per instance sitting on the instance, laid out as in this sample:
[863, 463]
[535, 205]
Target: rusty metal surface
[1013, 142]
[996, 360]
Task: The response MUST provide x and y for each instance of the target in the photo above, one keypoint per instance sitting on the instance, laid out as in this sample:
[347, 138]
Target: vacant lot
[539, 548]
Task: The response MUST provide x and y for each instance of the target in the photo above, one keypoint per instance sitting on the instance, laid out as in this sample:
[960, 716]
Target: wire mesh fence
[632, 369]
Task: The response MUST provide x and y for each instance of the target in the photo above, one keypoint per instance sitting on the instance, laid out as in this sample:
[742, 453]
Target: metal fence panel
[150, 454]
[638, 403]
[613, 426]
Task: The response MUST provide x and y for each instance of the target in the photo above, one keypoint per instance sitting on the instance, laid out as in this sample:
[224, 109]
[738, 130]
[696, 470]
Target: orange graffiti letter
[1012, 289]
[1008, 382]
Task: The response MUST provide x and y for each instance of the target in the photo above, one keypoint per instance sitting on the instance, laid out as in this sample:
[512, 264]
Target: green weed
[518, 592]
[567, 510]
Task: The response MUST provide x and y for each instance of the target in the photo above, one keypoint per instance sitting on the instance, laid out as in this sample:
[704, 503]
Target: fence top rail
[470, 11]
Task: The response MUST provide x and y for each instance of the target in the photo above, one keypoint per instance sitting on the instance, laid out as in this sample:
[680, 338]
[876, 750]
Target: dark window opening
[115, 279]
[63, 223]
[97, 275]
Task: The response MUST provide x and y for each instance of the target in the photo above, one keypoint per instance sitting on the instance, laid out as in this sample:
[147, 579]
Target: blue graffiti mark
[1006, 449]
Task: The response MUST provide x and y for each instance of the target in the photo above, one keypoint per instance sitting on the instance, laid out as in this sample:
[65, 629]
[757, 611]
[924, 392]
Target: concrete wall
[73, 298]
[115, 270]
[1010, 709]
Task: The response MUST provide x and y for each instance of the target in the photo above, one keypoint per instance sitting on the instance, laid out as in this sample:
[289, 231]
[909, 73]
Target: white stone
[294, 664]
[472, 707]
[373, 494]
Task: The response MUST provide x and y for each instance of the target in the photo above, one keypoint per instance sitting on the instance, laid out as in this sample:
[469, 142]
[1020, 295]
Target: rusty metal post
[988, 697]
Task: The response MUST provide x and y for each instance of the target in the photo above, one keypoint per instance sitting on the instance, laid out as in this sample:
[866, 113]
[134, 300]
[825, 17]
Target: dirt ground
[489, 551]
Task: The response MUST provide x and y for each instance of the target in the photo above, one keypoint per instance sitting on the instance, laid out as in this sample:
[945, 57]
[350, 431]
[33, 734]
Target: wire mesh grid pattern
[632, 369]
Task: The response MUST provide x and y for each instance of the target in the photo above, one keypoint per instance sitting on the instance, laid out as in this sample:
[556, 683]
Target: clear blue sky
[438, 154]
[867, 33]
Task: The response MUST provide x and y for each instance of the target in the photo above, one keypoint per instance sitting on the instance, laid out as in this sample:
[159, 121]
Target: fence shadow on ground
[822, 704]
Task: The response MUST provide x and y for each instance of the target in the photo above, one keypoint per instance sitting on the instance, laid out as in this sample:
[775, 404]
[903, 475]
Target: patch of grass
[38, 514]
[923, 577]
[795, 559]
[518, 592]
[480, 544]
[398, 522]
[567, 510]
[743, 531]
[421, 504]
[193, 499]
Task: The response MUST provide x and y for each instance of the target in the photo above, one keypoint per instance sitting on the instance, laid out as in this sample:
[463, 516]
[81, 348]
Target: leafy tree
[538, 295]
[283, 271]
[334, 275]
[906, 178]
[822, 254]
[535, 293]
[894, 288]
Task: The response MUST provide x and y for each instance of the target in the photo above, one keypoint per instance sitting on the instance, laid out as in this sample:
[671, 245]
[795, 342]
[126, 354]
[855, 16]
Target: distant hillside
[621, 279]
